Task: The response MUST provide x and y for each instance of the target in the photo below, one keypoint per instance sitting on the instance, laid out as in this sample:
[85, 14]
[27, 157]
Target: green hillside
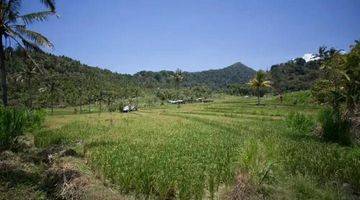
[68, 82]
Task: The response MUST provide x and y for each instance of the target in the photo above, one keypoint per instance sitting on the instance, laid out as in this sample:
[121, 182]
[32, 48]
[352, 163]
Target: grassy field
[202, 150]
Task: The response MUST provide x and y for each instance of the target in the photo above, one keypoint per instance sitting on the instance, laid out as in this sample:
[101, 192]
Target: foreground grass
[198, 150]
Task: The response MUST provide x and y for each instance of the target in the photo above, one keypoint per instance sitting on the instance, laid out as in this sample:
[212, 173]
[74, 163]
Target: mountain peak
[238, 65]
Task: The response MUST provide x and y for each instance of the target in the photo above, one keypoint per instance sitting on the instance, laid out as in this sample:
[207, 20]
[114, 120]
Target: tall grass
[300, 122]
[298, 98]
[334, 128]
[13, 123]
[195, 151]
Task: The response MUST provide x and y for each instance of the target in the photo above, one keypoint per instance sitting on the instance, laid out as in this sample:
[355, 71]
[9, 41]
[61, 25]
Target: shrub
[13, 123]
[334, 129]
[300, 122]
[112, 107]
[321, 91]
[34, 119]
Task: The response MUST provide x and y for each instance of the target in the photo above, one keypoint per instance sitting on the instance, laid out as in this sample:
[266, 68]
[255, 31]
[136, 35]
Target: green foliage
[298, 98]
[193, 152]
[259, 82]
[239, 89]
[12, 125]
[334, 128]
[213, 79]
[300, 123]
[294, 75]
[34, 119]
[70, 83]
[342, 87]
[321, 91]
[16, 29]
[67, 82]
[342, 72]
[187, 94]
[14, 121]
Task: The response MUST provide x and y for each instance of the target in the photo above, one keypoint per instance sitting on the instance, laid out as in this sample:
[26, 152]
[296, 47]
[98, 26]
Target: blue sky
[127, 36]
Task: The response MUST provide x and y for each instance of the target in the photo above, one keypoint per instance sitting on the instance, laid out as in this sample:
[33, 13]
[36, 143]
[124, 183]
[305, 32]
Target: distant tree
[90, 90]
[51, 88]
[200, 92]
[161, 94]
[178, 78]
[13, 27]
[258, 82]
[29, 74]
[239, 89]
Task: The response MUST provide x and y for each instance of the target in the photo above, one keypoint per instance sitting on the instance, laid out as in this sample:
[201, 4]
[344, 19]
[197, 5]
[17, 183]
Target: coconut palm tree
[13, 26]
[178, 77]
[258, 82]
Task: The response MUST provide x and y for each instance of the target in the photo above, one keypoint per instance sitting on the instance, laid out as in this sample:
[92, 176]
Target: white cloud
[309, 57]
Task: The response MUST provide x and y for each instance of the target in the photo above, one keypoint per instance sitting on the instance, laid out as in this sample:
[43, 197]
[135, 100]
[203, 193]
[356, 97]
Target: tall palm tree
[13, 26]
[258, 82]
[178, 77]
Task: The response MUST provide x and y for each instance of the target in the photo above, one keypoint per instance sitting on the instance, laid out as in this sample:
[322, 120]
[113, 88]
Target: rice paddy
[198, 150]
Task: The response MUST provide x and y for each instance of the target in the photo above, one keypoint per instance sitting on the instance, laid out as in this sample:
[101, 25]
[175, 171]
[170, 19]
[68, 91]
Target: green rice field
[198, 151]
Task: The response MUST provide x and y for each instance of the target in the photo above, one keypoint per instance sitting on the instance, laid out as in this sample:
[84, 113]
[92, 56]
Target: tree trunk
[3, 72]
[178, 93]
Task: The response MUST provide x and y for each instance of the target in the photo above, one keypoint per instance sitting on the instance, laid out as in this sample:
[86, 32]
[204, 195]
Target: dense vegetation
[294, 75]
[202, 150]
[66, 82]
[217, 79]
[69, 82]
[298, 145]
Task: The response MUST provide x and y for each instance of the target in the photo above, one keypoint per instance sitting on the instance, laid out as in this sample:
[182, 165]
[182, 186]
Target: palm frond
[253, 83]
[31, 46]
[38, 16]
[266, 84]
[49, 4]
[37, 38]
[11, 10]
[259, 80]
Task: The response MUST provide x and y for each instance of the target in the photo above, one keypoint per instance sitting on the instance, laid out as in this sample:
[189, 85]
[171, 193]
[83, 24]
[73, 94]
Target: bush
[334, 129]
[300, 97]
[13, 123]
[112, 107]
[34, 119]
[117, 106]
[321, 91]
[300, 123]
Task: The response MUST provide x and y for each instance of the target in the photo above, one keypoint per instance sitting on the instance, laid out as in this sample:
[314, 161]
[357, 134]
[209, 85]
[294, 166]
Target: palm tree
[51, 87]
[178, 77]
[13, 26]
[259, 82]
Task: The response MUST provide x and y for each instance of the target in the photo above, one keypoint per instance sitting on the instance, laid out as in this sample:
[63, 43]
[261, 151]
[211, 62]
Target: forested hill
[71, 82]
[68, 81]
[294, 75]
[215, 79]
[220, 78]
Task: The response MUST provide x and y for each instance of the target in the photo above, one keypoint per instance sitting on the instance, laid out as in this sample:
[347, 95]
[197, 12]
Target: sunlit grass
[192, 152]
